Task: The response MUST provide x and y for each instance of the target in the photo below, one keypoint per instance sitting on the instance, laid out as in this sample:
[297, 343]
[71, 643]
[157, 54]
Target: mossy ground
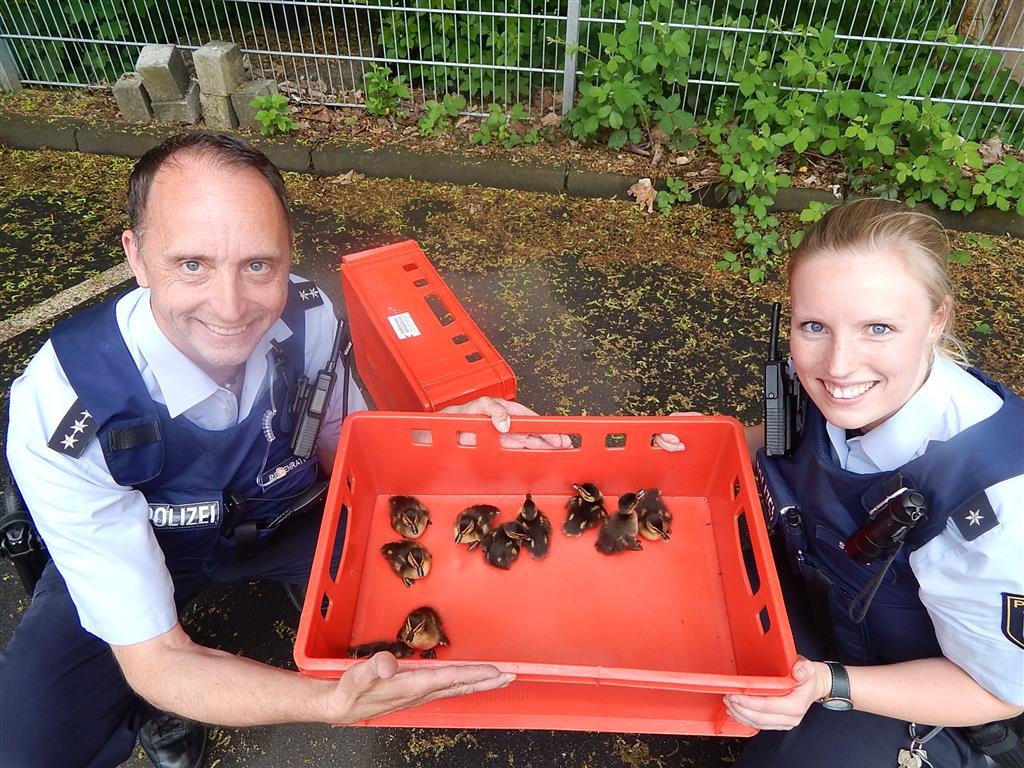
[598, 307]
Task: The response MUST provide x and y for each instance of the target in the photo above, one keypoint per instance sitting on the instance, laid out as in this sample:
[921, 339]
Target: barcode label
[404, 326]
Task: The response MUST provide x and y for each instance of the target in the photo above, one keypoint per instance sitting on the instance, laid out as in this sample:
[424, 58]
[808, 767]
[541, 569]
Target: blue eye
[878, 329]
[813, 327]
[258, 266]
[192, 265]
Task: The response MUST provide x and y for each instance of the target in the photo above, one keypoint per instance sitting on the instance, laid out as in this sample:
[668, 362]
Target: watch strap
[840, 689]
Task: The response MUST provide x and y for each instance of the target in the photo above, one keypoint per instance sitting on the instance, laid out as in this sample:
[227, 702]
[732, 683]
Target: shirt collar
[902, 436]
[182, 383]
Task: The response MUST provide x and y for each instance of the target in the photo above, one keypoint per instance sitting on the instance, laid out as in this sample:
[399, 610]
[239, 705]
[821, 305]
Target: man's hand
[780, 713]
[670, 442]
[377, 686]
[501, 413]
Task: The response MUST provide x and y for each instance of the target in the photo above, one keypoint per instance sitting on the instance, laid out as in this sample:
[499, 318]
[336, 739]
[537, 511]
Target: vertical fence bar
[572, 36]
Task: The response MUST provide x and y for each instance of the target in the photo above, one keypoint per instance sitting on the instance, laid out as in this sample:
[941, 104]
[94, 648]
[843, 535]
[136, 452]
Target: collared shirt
[962, 583]
[98, 532]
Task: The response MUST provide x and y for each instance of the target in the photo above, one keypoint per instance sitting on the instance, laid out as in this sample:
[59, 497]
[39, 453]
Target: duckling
[619, 531]
[366, 650]
[474, 523]
[409, 517]
[653, 517]
[537, 528]
[584, 510]
[422, 631]
[501, 545]
[408, 559]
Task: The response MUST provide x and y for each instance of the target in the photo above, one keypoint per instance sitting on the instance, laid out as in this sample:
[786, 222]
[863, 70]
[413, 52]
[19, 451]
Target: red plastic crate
[416, 348]
[640, 642]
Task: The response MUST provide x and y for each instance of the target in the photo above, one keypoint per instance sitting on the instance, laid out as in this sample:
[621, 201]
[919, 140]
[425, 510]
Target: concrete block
[10, 77]
[186, 110]
[217, 111]
[132, 98]
[242, 98]
[163, 71]
[219, 68]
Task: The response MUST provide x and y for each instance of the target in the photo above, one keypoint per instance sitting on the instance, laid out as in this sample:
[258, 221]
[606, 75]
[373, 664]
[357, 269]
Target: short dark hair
[220, 148]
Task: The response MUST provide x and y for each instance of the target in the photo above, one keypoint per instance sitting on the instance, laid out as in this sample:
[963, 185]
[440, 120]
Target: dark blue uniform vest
[186, 472]
[827, 504]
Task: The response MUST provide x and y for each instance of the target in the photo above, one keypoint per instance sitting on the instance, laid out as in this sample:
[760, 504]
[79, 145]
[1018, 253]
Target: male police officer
[128, 432]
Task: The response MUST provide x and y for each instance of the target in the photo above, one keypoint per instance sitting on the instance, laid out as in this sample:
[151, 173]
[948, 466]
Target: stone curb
[67, 133]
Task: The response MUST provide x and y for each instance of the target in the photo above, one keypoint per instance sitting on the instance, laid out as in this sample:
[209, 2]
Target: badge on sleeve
[975, 517]
[74, 432]
[1013, 618]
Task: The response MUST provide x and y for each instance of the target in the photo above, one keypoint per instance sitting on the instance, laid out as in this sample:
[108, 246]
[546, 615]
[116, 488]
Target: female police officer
[917, 633]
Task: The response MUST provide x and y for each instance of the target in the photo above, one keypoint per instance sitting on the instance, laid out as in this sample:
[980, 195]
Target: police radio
[311, 399]
[781, 396]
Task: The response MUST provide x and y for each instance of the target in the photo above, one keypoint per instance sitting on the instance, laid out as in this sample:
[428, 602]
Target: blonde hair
[872, 224]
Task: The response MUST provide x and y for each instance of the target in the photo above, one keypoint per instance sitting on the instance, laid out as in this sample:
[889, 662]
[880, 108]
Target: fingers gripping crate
[416, 348]
[643, 641]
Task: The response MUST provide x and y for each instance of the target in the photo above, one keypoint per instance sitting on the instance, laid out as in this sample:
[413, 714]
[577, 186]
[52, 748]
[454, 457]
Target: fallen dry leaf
[551, 120]
[645, 194]
[683, 160]
[992, 151]
[349, 177]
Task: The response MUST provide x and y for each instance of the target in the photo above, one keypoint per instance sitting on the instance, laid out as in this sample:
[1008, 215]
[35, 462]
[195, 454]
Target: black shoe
[173, 742]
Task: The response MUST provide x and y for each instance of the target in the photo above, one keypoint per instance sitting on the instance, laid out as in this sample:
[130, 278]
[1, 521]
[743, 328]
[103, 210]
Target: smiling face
[215, 255]
[863, 331]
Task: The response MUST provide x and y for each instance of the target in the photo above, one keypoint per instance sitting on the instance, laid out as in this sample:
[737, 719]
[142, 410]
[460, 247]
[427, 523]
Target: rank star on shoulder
[69, 441]
[974, 517]
[79, 426]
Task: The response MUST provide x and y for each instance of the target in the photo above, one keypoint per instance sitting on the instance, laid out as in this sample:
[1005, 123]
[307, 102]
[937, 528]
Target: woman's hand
[670, 442]
[780, 713]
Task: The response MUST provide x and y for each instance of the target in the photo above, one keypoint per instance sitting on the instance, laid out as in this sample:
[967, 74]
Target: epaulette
[308, 294]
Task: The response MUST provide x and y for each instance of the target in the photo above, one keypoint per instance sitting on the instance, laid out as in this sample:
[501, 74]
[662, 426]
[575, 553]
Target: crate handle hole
[766, 620]
[747, 548]
[615, 440]
[439, 309]
[410, 267]
[348, 480]
[332, 567]
[460, 339]
[420, 283]
[421, 436]
[473, 357]
[325, 604]
[735, 486]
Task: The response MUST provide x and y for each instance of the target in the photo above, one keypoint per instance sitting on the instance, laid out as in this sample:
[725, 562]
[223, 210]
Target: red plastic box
[640, 642]
[416, 348]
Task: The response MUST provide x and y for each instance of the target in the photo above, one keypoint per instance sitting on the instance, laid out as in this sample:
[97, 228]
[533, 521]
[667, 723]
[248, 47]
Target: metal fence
[969, 55]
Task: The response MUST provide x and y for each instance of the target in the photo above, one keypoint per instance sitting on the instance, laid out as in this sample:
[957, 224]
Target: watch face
[837, 704]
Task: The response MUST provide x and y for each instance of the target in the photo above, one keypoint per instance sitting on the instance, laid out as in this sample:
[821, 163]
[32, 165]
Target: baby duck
[422, 631]
[409, 517]
[474, 523]
[584, 510]
[537, 528]
[619, 531]
[395, 647]
[653, 517]
[501, 545]
[408, 559]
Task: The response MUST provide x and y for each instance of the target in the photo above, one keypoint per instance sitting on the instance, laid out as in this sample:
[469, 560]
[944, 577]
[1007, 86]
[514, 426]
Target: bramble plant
[676, 191]
[273, 114]
[438, 115]
[385, 93]
[510, 130]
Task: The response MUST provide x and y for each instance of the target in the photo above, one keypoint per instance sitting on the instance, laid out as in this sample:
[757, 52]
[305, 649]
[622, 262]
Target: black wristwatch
[839, 697]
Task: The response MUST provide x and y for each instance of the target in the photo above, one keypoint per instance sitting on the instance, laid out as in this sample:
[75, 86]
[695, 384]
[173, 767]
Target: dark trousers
[825, 739]
[63, 700]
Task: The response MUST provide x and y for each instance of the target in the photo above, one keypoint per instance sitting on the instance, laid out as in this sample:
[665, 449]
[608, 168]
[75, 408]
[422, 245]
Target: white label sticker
[404, 325]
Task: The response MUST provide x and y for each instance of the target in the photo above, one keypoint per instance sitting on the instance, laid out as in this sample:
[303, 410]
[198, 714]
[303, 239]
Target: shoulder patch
[1013, 618]
[975, 517]
[309, 294]
[74, 432]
